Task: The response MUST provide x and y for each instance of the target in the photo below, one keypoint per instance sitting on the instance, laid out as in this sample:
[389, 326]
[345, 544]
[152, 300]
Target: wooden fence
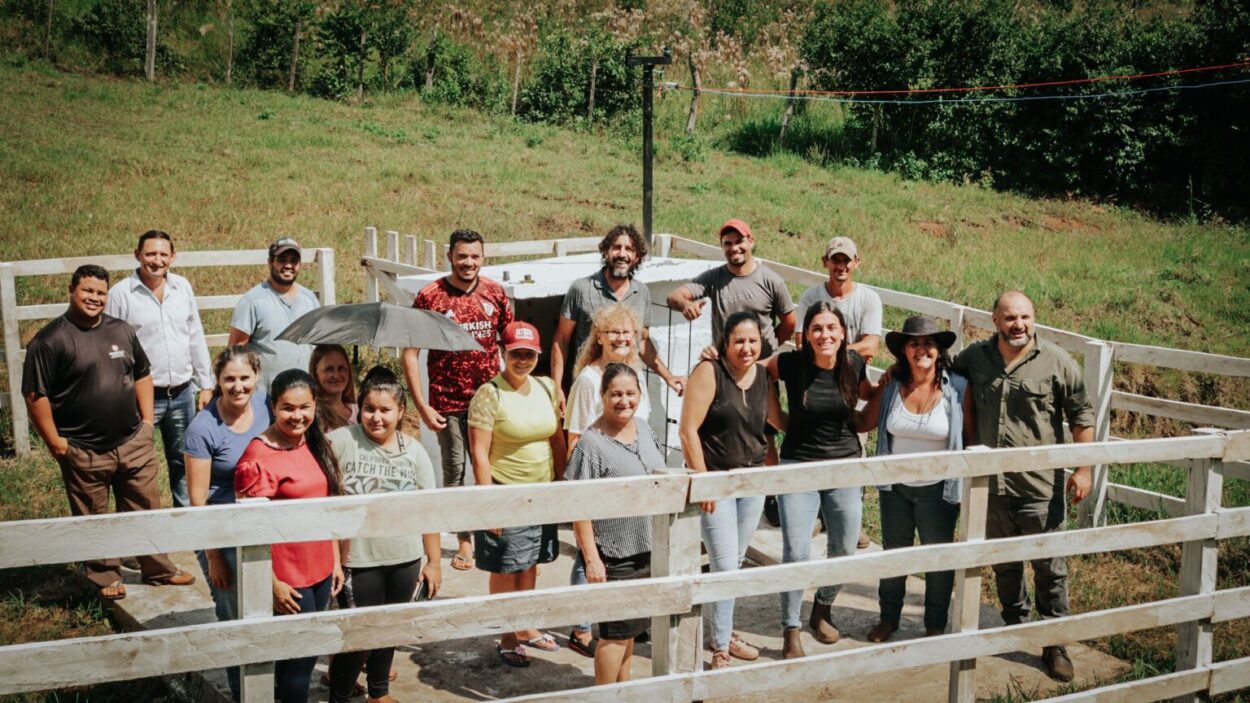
[1098, 355]
[13, 314]
[677, 589]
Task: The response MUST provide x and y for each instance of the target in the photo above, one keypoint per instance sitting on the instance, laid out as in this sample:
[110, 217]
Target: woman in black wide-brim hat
[924, 407]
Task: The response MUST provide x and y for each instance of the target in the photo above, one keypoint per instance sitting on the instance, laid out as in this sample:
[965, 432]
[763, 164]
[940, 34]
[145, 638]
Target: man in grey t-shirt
[860, 305]
[268, 308]
[741, 284]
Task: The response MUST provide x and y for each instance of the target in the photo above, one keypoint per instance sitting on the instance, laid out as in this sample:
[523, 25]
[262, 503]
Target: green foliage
[264, 54]
[1145, 149]
[459, 76]
[117, 30]
[559, 89]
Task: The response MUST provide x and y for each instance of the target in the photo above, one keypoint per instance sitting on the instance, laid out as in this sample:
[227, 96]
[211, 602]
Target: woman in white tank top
[923, 408]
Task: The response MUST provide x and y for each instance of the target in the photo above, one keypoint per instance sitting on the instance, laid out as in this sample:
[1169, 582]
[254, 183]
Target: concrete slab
[468, 669]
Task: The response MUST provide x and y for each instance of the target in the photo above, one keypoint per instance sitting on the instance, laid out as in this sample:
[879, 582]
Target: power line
[959, 101]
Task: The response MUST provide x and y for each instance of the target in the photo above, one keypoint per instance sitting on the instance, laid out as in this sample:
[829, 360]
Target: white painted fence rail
[673, 596]
[12, 314]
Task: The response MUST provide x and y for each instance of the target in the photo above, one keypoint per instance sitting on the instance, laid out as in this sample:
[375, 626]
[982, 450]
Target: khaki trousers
[130, 471]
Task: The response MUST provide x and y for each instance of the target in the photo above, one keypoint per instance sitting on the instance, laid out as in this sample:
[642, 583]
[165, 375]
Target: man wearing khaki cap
[860, 305]
[267, 309]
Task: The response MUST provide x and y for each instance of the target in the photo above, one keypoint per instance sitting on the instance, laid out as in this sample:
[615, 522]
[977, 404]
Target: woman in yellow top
[515, 437]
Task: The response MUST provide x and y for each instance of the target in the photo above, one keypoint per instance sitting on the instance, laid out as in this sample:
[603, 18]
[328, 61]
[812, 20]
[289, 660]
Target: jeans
[225, 602]
[727, 533]
[577, 577]
[1011, 517]
[905, 511]
[453, 445]
[842, 509]
[171, 416]
[373, 585]
[291, 677]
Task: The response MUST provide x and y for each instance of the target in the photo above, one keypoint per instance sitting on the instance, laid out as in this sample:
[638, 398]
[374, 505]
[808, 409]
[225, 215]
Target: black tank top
[733, 430]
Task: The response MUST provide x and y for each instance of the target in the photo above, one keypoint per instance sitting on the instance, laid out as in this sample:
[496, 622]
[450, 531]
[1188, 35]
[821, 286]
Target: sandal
[179, 578]
[544, 642]
[586, 649]
[460, 562]
[114, 591]
[515, 658]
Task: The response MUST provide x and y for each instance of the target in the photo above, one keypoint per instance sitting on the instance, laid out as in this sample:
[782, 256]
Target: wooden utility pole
[290, 84]
[229, 41]
[149, 59]
[47, 35]
[648, 64]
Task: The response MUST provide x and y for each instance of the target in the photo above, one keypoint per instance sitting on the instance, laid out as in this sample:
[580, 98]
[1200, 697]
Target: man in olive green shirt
[1028, 392]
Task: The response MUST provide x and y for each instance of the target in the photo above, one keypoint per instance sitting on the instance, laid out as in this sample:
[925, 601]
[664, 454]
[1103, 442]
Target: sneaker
[741, 649]
[863, 540]
[771, 512]
[720, 659]
[1058, 665]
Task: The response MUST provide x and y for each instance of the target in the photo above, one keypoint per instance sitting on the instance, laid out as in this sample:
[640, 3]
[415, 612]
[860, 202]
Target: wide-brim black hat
[918, 326]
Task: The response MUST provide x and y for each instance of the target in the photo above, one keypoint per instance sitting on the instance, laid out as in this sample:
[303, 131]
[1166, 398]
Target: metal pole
[648, 64]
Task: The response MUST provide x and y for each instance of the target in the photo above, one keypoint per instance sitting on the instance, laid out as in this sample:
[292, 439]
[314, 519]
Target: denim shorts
[516, 549]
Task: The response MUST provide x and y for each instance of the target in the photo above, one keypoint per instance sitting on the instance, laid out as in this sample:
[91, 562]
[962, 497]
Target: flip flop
[117, 587]
[545, 643]
[460, 562]
[586, 649]
[515, 658]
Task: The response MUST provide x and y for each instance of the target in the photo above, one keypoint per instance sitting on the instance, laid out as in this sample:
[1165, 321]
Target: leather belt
[170, 391]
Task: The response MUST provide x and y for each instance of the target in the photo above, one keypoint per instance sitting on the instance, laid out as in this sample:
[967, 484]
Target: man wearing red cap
[741, 284]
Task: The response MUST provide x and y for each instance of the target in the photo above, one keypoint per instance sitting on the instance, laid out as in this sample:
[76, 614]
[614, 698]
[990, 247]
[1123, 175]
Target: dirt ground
[470, 670]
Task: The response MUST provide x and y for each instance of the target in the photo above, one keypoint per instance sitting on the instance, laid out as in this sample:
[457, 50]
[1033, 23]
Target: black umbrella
[379, 325]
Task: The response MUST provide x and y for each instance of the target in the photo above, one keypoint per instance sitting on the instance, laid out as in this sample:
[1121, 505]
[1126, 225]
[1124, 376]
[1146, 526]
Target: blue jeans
[842, 509]
[906, 511]
[225, 602]
[171, 416]
[291, 677]
[727, 533]
[577, 577]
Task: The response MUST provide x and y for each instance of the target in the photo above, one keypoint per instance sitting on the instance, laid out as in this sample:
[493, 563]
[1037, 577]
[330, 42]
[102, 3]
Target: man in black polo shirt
[89, 393]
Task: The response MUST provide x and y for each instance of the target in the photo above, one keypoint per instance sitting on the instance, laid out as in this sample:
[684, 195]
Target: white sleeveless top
[912, 433]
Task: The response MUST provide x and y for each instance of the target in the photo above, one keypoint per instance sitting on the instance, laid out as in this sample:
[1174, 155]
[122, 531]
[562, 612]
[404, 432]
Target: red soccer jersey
[483, 312]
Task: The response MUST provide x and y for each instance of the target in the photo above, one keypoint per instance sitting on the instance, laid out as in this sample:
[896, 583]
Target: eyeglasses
[619, 333]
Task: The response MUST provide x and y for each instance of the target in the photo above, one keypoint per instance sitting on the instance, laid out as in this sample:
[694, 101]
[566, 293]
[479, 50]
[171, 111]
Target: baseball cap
[521, 335]
[736, 226]
[841, 245]
[282, 245]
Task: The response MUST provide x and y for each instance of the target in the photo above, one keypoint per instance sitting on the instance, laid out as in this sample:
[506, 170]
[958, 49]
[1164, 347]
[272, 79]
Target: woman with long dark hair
[924, 407]
[823, 381]
[727, 403]
[375, 457]
[292, 459]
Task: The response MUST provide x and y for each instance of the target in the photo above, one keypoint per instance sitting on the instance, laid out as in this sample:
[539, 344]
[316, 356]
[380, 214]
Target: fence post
[957, 326]
[1098, 383]
[392, 245]
[410, 250]
[662, 244]
[1194, 641]
[13, 359]
[255, 579]
[966, 611]
[371, 249]
[325, 268]
[676, 639]
[431, 255]
[561, 248]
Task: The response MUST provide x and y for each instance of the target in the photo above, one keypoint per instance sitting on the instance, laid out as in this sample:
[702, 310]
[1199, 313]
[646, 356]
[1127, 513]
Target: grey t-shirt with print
[762, 291]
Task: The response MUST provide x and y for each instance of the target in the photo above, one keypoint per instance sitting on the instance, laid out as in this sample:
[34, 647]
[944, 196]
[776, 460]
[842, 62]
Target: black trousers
[374, 585]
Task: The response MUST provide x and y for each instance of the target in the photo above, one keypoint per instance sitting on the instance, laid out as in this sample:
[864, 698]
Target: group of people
[271, 419]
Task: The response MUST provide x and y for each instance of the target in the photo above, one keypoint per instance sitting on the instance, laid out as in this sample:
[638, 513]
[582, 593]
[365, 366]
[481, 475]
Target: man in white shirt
[160, 306]
[860, 305]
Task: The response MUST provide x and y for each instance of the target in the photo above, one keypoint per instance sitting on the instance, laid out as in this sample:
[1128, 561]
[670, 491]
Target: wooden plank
[217, 340]
[411, 252]
[1155, 688]
[1195, 644]
[956, 321]
[431, 255]
[1098, 370]
[13, 357]
[48, 311]
[1178, 410]
[1234, 522]
[543, 247]
[255, 591]
[1236, 447]
[966, 613]
[676, 640]
[1181, 359]
[1145, 500]
[240, 642]
[61, 540]
[393, 267]
[698, 250]
[392, 245]
[371, 252]
[1231, 604]
[126, 262]
[810, 476]
[1070, 341]
[661, 245]
[325, 264]
[1229, 676]
[760, 679]
[870, 566]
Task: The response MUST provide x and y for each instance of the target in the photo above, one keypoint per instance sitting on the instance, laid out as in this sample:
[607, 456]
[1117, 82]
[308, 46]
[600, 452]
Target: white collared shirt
[170, 331]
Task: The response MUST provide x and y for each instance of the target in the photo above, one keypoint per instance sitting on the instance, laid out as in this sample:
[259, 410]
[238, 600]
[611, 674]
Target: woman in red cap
[515, 437]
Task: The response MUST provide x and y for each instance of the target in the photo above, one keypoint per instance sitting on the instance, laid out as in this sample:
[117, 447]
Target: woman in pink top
[292, 459]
